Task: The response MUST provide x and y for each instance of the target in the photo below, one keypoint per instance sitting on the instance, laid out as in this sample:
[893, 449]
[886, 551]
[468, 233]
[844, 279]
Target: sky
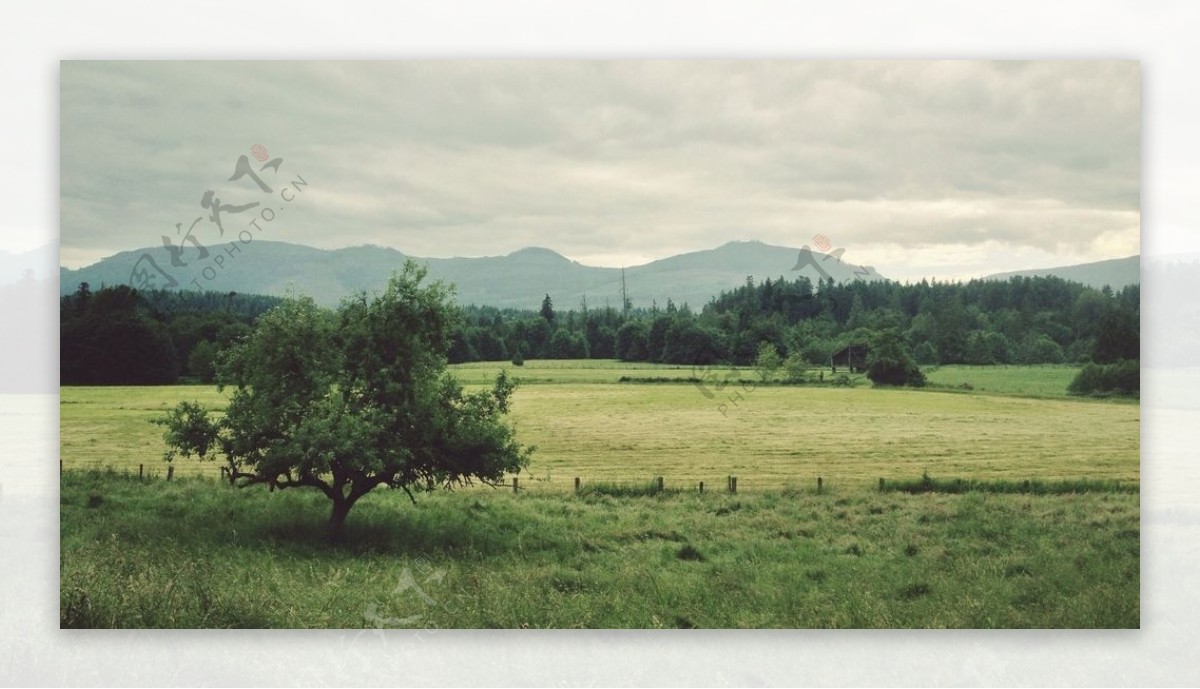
[922, 169]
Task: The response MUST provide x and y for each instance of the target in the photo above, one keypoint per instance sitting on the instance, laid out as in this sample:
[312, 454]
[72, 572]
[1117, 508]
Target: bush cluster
[1120, 378]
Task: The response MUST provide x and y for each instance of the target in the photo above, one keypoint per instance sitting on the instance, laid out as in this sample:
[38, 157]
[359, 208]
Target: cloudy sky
[921, 169]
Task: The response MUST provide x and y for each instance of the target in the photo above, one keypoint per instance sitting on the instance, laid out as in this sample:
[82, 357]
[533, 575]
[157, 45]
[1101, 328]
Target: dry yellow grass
[788, 436]
[774, 437]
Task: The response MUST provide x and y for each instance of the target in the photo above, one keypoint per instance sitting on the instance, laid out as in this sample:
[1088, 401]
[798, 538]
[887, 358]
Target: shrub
[518, 359]
[889, 362]
[795, 367]
[768, 361]
[1121, 378]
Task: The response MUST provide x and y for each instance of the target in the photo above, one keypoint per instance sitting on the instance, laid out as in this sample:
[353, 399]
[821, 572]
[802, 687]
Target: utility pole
[624, 299]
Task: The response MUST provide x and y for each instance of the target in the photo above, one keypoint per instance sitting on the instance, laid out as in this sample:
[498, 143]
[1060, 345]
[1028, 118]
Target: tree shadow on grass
[393, 527]
[202, 514]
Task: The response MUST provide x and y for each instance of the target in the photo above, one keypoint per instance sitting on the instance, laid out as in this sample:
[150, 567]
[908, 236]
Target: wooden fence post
[732, 484]
[658, 483]
[702, 487]
[515, 485]
[576, 484]
[819, 484]
[170, 471]
[141, 471]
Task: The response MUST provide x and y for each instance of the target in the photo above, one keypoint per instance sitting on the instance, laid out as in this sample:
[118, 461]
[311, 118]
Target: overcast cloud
[922, 169]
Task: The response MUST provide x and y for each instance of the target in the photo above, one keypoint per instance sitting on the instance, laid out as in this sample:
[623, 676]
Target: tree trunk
[337, 518]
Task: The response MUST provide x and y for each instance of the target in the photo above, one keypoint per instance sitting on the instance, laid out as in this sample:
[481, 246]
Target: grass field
[557, 372]
[196, 553]
[1030, 381]
[770, 437]
[193, 552]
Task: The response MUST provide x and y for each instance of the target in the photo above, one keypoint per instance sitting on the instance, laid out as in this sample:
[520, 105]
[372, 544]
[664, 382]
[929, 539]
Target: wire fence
[730, 484]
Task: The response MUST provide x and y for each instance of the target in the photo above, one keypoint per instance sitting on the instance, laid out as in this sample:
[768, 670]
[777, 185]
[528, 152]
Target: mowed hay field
[195, 552]
[587, 425]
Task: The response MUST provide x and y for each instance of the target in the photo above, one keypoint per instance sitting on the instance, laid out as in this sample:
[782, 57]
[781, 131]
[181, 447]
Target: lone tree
[768, 361]
[345, 402]
[889, 362]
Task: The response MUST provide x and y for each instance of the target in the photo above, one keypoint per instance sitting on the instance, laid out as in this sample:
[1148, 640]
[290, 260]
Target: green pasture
[1031, 519]
[1049, 380]
[194, 552]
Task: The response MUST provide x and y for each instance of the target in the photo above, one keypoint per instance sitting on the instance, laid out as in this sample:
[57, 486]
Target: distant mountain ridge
[36, 264]
[518, 280]
[1115, 272]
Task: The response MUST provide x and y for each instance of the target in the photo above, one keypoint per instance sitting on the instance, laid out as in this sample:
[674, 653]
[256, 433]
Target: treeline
[120, 336]
[1021, 321]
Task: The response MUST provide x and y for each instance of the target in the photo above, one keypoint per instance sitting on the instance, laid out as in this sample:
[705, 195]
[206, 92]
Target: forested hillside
[119, 335]
[1023, 320]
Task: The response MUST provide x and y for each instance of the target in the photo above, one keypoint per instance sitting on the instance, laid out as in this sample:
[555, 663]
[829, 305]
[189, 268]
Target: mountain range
[517, 280]
[1116, 273]
[34, 264]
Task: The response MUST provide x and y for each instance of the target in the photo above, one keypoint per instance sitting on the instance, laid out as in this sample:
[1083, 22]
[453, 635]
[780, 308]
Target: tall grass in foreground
[197, 553]
[928, 484]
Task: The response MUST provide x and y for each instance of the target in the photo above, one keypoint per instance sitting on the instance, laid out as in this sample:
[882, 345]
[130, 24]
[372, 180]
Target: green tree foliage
[346, 402]
[795, 367]
[987, 347]
[768, 361]
[1121, 378]
[983, 322]
[565, 344]
[112, 337]
[487, 345]
[601, 336]
[1117, 337]
[656, 337]
[858, 314]
[1040, 349]
[889, 362]
[631, 341]
[202, 362]
[925, 354]
[688, 342]
[120, 336]
[1026, 320]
